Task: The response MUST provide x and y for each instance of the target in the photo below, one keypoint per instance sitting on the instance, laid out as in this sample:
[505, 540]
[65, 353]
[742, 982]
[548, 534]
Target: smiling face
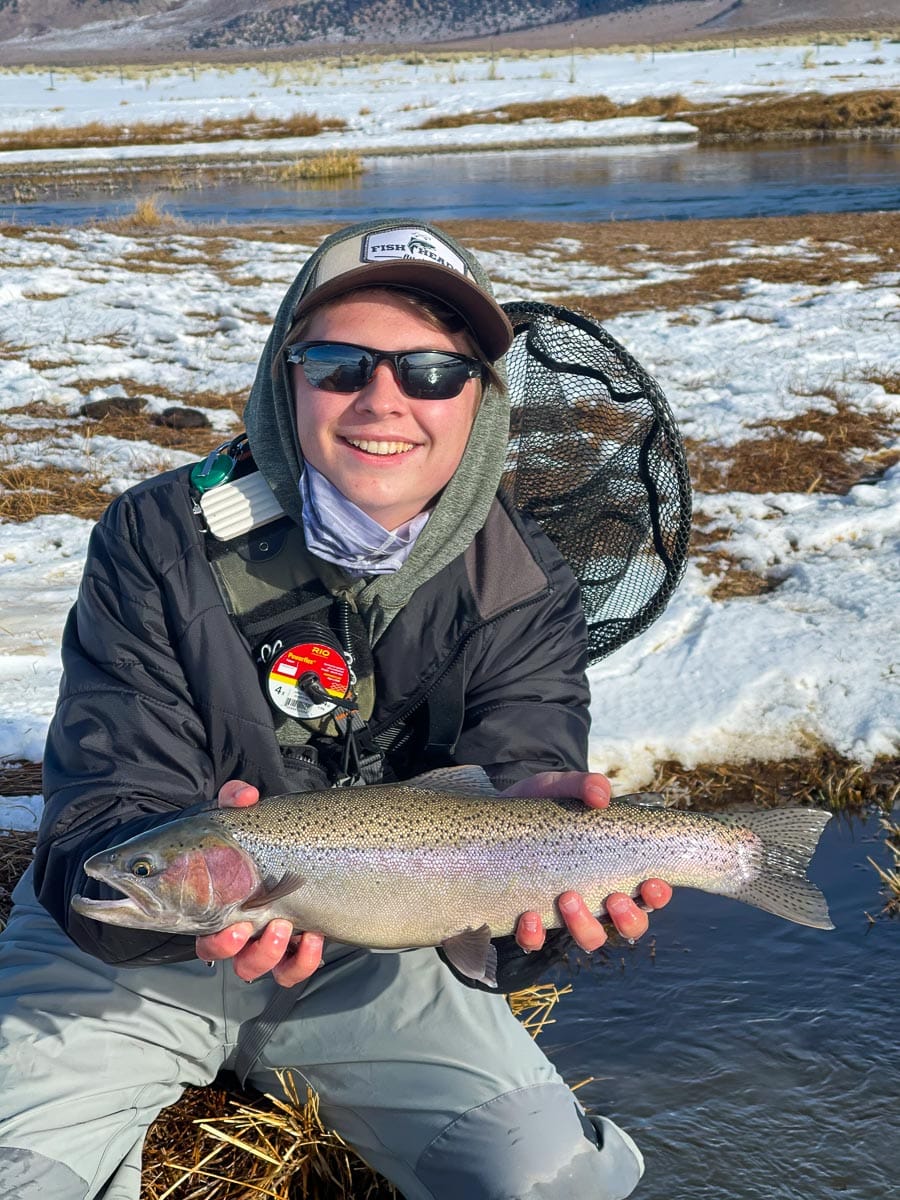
[388, 453]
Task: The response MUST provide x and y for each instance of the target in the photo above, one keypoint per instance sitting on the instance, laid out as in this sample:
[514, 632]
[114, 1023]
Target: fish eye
[141, 867]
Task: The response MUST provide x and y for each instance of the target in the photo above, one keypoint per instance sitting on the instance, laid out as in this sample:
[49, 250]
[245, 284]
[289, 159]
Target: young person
[364, 521]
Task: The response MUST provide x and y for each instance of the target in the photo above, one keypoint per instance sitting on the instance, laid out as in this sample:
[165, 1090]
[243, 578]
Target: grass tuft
[335, 164]
[146, 217]
[890, 876]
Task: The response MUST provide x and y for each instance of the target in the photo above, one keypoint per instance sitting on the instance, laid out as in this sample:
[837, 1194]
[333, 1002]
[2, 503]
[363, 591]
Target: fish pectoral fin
[473, 954]
[284, 887]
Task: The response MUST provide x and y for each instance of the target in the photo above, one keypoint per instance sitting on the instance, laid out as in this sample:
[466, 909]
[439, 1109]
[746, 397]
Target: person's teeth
[380, 447]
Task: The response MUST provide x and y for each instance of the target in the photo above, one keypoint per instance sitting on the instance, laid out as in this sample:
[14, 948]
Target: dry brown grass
[336, 164]
[890, 876]
[823, 780]
[849, 447]
[576, 108]
[146, 217]
[220, 1143]
[147, 133]
[831, 254]
[874, 111]
[29, 492]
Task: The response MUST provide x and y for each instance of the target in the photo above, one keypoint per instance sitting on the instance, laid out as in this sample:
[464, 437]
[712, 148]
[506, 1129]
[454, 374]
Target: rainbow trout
[423, 864]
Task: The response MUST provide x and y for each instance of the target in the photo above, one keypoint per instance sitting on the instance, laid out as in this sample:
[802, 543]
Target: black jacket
[160, 701]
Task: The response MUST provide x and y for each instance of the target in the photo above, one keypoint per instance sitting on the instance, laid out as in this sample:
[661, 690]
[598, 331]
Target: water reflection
[752, 1058]
[599, 184]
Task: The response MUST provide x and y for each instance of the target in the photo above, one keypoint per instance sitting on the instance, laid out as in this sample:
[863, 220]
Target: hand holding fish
[290, 957]
[630, 920]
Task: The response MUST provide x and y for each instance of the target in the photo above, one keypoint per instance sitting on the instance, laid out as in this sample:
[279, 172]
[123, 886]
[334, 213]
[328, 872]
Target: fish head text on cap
[415, 257]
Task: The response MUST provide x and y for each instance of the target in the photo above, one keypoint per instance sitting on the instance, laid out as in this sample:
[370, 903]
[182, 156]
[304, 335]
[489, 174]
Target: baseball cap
[416, 256]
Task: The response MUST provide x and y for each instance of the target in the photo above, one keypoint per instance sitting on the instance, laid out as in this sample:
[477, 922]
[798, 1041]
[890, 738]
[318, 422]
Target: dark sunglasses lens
[337, 368]
[427, 375]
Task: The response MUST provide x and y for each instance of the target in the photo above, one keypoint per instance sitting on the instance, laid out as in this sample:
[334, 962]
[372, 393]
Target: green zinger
[426, 864]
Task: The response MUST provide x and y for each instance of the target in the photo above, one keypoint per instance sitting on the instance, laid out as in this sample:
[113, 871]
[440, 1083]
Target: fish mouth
[138, 895]
[112, 912]
[138, 909]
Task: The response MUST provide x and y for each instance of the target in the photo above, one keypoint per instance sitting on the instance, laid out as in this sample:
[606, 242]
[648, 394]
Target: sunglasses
[345, 368]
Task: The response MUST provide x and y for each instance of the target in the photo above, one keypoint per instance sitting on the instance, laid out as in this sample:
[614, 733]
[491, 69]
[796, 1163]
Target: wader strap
[446, 707]
[252, 1045]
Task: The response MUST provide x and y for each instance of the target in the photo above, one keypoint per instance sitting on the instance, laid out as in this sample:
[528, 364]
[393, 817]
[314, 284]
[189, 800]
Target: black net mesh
[596, 458]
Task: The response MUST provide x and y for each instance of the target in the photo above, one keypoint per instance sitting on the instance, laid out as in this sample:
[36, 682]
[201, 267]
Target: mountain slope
[122, 30]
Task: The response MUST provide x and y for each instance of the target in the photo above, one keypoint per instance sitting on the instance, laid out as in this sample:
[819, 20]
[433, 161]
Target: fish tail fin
[789, 837]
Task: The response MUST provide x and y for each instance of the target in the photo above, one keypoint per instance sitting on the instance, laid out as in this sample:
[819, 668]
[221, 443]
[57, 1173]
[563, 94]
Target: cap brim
[488, 322]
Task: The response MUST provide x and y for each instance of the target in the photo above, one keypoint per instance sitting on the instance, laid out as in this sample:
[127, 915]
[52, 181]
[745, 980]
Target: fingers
[213, 947]
[265, 952]
[590, 787]
[251, 958]
[630, 921]
[530, 932]
[581, 922]
[236, 793]
[291, 958]
[655, 893]
[305, 959]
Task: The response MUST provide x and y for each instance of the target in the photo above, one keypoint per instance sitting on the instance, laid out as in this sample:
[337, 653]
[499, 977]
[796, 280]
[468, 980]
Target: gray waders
[436, 1085]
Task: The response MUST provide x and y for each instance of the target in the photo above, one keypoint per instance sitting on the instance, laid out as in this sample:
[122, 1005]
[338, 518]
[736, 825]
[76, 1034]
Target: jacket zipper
[397, 723]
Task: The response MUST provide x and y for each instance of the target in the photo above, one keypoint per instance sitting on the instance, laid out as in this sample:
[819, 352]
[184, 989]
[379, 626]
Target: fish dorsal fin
[467, 781]
[267, 895]
[473, 954]
[642, 800]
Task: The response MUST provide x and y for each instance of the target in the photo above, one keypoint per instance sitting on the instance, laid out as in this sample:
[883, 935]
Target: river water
[750, 1058]
[595, 184]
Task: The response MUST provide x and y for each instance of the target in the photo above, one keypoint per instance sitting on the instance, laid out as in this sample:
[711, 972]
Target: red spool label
[289, 668]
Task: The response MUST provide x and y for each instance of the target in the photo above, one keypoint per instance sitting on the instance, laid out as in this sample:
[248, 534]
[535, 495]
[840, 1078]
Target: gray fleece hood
[463, 506]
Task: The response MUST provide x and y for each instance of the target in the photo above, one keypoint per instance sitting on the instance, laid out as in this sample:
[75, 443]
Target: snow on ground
[816, 661]
[383, 102]
[84, 312]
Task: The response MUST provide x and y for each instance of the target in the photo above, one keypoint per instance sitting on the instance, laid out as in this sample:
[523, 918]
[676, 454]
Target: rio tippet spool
[306, 673]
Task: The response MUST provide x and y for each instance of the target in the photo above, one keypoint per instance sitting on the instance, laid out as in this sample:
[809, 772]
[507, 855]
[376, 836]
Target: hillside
[69, 31]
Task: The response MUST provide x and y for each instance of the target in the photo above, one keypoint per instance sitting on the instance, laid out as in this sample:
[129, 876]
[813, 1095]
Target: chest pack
[308, 640]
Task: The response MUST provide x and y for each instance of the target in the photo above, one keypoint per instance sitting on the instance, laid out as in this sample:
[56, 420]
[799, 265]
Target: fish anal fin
[267, 895]
[473, 954]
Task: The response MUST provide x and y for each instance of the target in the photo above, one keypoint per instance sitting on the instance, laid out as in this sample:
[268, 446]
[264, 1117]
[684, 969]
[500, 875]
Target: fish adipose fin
[643, 800]
[789, 837]
[473, 954]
